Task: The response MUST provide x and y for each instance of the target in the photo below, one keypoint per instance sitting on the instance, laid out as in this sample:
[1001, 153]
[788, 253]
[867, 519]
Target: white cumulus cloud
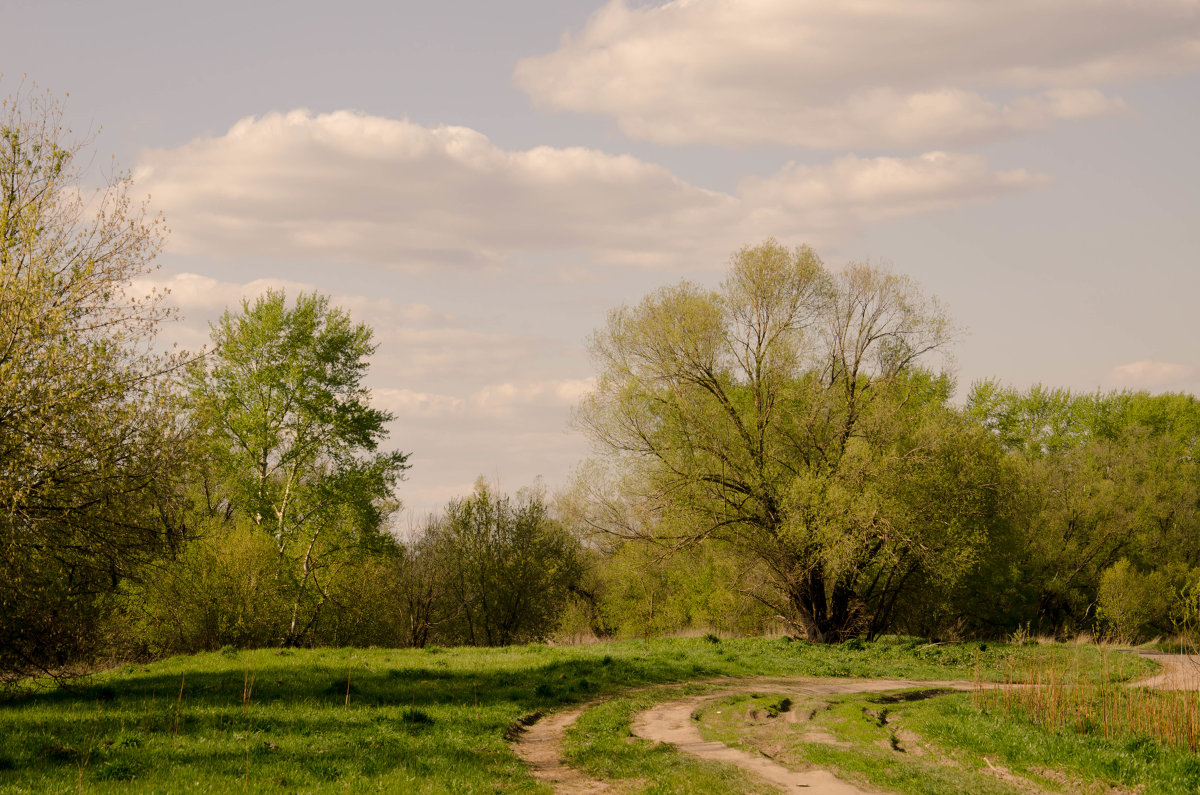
[351, 187]
[862, 73]
[1148, 374]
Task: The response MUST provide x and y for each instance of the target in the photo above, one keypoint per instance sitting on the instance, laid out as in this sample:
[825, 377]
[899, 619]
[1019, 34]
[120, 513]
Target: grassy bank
[377, 720]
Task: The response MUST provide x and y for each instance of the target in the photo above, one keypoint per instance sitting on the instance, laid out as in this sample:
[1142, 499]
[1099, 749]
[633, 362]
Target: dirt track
[540, 746]
[1180, 672]
[670, 722]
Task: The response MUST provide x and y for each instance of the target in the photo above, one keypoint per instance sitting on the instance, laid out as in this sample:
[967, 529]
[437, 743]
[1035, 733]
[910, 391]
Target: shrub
[1128, 601]
[223, 590]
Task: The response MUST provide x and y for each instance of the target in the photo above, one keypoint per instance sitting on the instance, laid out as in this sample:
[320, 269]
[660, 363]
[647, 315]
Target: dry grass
[1052, 693]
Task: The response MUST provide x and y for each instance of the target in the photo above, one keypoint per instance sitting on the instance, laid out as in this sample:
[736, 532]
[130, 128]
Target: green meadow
[431, 720]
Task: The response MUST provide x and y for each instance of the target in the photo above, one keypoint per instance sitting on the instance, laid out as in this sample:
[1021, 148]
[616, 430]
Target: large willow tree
[793, 414]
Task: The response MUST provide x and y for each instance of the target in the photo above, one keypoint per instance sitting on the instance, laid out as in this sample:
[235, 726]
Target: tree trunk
[825, 612]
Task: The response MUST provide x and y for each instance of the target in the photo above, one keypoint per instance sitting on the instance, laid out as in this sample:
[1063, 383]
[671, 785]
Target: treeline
[1101, 512]
[779, 454]
[798, 417]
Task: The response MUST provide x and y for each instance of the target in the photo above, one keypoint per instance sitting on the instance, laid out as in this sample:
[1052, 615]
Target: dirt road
[670, 722]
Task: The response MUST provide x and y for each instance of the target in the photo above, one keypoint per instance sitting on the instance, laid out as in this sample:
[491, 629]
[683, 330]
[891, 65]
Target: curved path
[1179, 671]
[672, 722]
[540, 745]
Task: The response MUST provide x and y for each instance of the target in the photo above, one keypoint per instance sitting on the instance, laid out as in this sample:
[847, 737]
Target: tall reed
[1054, 694]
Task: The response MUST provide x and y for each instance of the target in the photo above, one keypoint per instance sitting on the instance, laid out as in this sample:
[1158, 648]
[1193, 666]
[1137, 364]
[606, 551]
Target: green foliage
[89, 442]
[222, 591]
[294, 442]
[640, 590]
[509, 567]
[1127, 601]
[1094, 479]
[788, 415]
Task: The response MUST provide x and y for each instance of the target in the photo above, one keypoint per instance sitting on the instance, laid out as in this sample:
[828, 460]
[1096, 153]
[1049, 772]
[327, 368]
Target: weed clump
[779, 707]
[117, 770]
[1058, 698]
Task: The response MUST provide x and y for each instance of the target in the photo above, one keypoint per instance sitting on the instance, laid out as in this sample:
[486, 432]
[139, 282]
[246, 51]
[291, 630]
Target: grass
[1063, 700]
[856, 735]
[378, 720]
[601, 740]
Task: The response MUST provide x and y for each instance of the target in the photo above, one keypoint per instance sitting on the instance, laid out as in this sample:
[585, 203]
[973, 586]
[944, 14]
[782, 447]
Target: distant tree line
[781, 453]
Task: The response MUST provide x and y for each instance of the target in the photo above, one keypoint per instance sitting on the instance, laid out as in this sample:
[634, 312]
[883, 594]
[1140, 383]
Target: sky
[483, 182]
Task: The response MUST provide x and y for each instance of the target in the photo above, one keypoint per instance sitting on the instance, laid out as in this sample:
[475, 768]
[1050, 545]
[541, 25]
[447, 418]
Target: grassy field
[433, 720]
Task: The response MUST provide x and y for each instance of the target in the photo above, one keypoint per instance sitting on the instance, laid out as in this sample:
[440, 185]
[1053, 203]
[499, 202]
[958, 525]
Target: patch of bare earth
[1179, 671]
[539, 742]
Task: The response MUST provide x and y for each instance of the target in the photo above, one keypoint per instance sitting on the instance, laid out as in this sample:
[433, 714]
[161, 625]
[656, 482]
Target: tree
[510, 566]
[89, 445]
[295, 440]
[788, 414]
[1098, 479]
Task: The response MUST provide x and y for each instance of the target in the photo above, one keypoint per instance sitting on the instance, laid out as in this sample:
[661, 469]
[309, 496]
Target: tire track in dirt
[540, 744]
[671, 722]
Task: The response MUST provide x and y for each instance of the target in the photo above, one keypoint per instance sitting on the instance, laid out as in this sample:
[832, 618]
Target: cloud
[507, 399]
[853, 190]
[416, 342]
[518, 428]
[200, 300]
[193, 293]
[1147, 374]
[350, 187]
[866, 73]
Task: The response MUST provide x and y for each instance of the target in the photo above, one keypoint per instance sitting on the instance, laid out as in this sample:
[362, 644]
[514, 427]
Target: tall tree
[88, 439]
[296, 439]
[777, 414]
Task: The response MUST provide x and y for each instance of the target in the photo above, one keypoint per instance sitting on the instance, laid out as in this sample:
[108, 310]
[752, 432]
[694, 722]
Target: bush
[1129, 602]
[223, 589]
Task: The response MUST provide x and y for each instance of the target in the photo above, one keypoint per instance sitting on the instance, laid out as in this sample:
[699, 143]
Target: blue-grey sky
[482, 182]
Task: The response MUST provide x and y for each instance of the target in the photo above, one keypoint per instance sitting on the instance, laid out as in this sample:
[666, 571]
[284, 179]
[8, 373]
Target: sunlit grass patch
[861, 737]
[602, 744]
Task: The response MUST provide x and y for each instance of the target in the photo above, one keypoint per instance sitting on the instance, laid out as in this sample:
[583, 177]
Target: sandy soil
[1180, 671]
